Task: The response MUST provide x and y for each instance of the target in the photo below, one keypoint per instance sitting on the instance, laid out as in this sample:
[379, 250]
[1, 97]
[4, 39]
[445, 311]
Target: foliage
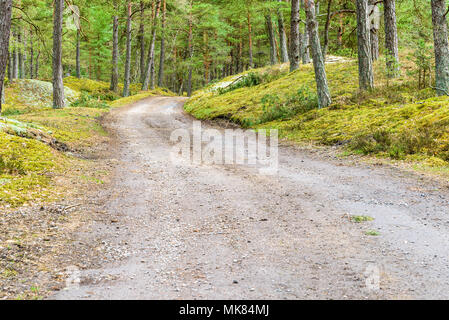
[86, 101]
[422, 58]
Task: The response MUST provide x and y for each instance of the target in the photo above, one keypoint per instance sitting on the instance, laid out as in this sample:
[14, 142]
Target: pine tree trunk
[273, 53]
[190, 48]
[250, 40]
[10, 65]
[142, 41]
[282, 37]
[15, 59]
[31, 56]
[58, 86]
[366, 78]
[78, 63]
[374, 37]
[326, 29]
[114, 76]
[324, 97]
[149, 69]
[128, 53]
[441, 46]
[162, 55]
[391, 37]
[19, 40]
[374, 44]
[36, 71]
[305, 46]
[5, 27]
[295, 37]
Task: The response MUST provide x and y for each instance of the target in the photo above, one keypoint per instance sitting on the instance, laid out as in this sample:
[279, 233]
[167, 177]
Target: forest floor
[324, 227]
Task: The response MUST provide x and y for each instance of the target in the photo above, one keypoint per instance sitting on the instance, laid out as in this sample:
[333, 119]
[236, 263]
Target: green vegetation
[398, 120]
[372, 233]
[32, 132]
[360, 219]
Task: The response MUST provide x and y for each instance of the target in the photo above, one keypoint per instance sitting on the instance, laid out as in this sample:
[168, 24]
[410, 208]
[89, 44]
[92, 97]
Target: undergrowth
[396, 120]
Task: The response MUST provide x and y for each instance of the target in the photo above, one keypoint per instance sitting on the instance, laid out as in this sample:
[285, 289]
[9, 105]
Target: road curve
[180, 230]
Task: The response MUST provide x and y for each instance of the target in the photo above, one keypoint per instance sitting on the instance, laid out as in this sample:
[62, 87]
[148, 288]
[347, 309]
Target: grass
[360, 219]
[372, 233]
[395, 121]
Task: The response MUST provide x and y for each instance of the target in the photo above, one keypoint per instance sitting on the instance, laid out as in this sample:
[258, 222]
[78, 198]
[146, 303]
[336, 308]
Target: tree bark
[324, 97]
[114, 76]
[10, 65]
[273, 54]
[78, 63]
[36, 72]
[31, 55]
[391, 38]
[5, 27]
[149, 69]
[282, 37]
[190, 48]
[58, 85]
[250, 40]
[294, 36]
[15, 58]
[326, 29]
[374, 37]
[162, 55]
[441, 46]
[366, 77]
[142, 41]
[20, 52]
[128, 52]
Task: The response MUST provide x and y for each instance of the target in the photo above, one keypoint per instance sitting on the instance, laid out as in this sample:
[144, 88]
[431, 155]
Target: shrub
[302, 101]
[250, 80]
[87, 101]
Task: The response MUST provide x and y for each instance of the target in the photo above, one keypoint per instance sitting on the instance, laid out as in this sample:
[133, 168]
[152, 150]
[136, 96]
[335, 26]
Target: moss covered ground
[29, 127]
[396, 120]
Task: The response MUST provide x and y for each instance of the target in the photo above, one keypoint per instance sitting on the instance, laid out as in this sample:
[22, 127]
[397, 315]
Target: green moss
[394, 121]
[25, 169]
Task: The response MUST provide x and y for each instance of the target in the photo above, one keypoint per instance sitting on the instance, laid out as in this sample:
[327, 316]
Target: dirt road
[176, 230]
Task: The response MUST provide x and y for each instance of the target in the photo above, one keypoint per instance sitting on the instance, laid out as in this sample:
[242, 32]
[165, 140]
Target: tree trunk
[441, 46]
[374, 37]
[142, 41]
[149, 69]
[10, 65]
[273, 54]
[366, 78]
[128, 53]
[15, 58]
[282, 37]
[190, 48]
[31, 55]
[305, 46]
[36, 72]
[326, 29]
[78, 63]
[391, 38]
[374, 44]
[19, 40]
[250, 40]
[324, 97]
[294, 37]
[114, 76]
[58, 85]
[162, 55]
[5, 27]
